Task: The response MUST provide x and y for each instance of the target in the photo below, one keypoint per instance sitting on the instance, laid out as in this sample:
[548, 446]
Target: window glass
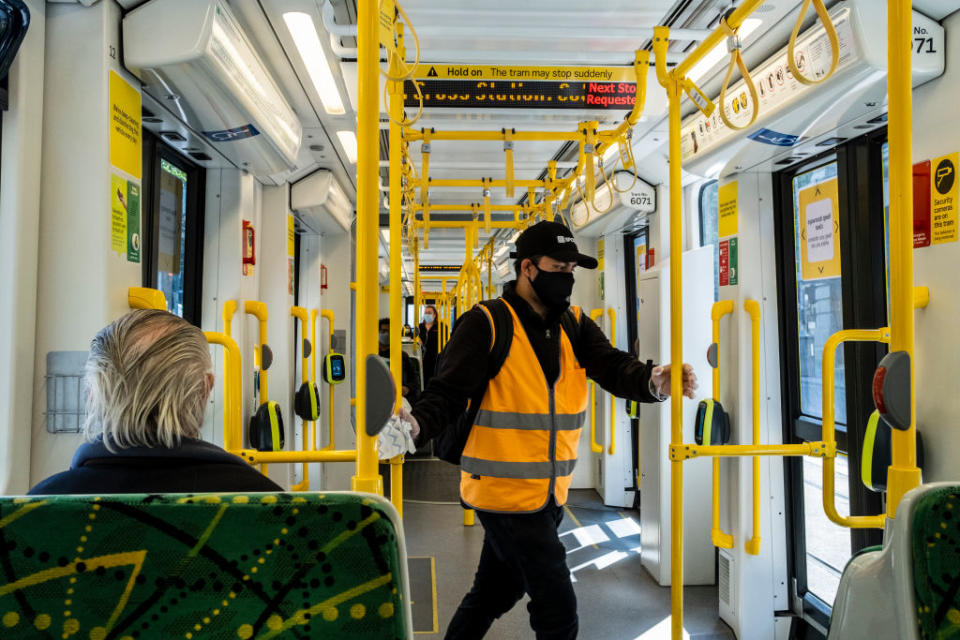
[827, 544]
[709, 227]
[171, 234]
[819, 313]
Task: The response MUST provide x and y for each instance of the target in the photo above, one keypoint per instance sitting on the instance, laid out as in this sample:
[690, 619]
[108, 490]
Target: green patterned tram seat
[231, 566]
[910, 588]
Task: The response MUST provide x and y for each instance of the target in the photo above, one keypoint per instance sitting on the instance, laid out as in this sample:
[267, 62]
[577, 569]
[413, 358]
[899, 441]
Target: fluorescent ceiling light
[720, 52]
[305, 36]
[348, 140]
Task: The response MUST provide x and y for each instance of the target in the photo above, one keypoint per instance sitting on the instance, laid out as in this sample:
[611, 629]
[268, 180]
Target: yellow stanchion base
[469, 517]
[367, 485]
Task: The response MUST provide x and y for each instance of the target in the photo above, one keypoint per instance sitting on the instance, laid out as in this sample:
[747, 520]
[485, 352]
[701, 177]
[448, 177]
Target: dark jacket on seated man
[193, 467]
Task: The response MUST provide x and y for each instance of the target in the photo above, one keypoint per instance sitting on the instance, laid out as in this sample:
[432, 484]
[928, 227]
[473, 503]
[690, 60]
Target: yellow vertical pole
[368, 59]
[612, 314]
[313, 369]
[672, 84]
[328, 314]
[752, 307]
[301, 314]
[903, 474]
[396, 303]
[232, 439]
[417, 294]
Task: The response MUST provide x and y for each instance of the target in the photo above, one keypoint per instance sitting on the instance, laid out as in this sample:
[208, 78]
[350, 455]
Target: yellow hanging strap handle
[831, 35]
[612, 313]
[734, 46]
[508, 157]
[589, 154]
[486, 201]
[595, 446]
[717, 535]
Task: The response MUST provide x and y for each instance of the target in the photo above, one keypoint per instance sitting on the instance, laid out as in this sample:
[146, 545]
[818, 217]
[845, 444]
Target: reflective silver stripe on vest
[510, 420]
[516, 470]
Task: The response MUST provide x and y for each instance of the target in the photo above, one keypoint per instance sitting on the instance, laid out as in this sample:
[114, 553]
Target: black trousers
[522, 553]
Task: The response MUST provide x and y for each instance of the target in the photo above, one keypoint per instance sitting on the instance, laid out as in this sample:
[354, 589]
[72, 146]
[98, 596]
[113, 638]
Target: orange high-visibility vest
[523, 444]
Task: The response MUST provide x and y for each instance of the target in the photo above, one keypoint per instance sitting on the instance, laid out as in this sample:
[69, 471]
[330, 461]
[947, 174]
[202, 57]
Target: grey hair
[147, 381]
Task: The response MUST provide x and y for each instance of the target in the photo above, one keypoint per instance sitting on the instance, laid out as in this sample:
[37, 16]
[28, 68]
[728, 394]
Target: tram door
[636, 254]
[831, 244]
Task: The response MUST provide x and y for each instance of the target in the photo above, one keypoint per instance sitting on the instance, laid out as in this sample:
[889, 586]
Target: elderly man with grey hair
[148, 379]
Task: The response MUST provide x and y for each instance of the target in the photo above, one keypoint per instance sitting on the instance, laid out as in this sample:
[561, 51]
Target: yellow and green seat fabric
[241, 566]
[936, 563]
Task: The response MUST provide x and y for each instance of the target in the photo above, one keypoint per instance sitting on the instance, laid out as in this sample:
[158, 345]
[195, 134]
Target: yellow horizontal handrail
[683, 451]
[717, 534]
[829, 424]
[263, 457]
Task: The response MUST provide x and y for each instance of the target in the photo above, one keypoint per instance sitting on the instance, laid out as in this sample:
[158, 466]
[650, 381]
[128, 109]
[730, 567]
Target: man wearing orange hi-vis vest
[507, 402]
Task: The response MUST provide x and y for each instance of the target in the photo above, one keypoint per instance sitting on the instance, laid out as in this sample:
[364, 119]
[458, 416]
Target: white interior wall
[75, 206]
[232, 197]
[19, 240]
[937, 354]
[586, 295]
[309, 299]
[275, 292]
[338, 297]
[759, 582]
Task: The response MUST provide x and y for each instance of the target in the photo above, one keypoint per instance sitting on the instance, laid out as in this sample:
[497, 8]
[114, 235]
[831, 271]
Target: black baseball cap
[551, 239]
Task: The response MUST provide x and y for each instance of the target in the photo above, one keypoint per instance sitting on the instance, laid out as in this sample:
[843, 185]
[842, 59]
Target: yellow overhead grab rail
[717, 535]
[831, 30]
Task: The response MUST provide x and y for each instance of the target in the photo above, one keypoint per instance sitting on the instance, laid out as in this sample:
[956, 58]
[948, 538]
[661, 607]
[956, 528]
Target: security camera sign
[943, 199]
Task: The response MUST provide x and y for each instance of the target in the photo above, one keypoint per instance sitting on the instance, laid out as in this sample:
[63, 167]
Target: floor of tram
[617, 598]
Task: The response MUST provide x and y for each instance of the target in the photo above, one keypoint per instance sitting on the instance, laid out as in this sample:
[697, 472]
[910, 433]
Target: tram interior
[216, 158]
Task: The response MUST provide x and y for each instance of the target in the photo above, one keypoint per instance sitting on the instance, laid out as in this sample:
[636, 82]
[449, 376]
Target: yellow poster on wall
[291, 237]
[727, 204]
[125, 131]
[118, 213]
[943, 199]
[819, 231]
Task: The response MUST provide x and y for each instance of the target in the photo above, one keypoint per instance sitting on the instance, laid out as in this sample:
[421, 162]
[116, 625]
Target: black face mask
[554, 289]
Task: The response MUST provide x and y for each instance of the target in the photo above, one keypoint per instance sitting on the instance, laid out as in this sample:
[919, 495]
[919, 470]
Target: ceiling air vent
[200, 156]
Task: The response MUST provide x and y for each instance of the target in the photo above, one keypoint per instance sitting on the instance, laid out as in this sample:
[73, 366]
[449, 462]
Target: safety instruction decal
[728, 217]
[125, 217]
[943, 198]
[819, 231]
[921, 205]
[728, 262]
[125, 128]
[528, 73]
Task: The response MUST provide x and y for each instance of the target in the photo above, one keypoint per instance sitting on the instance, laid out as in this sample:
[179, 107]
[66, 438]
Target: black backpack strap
[501, 327]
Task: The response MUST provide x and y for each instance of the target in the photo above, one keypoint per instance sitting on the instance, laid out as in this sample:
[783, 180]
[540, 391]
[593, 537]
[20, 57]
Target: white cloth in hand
[397, 435]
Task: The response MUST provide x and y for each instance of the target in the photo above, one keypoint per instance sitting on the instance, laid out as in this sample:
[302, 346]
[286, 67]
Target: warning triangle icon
[432, 73]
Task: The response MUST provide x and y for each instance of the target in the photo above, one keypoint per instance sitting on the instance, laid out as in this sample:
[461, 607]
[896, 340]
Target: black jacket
[429, 341]
[410, 376]
[462, 366]
[193, 467]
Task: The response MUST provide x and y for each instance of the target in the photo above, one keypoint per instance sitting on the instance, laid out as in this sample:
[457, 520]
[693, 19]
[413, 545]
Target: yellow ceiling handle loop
[831, 35]
[589, 154]
[508, 157]
[607, 181]
[625, 149]
[734, 46]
